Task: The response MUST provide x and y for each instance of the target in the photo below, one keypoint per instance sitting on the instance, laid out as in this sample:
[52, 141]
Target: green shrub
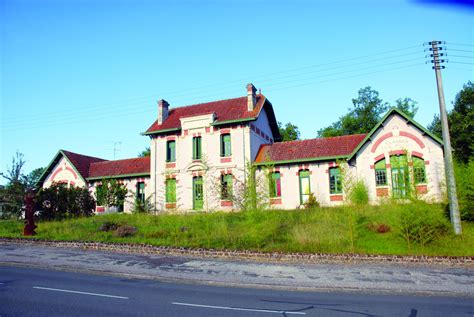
[59, 202]
[421, 223]
[311, 202]
[143, 206]
[359, 194]
[465, 189]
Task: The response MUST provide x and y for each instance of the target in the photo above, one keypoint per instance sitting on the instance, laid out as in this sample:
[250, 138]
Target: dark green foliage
[143, 206]
[289, 132]
[359, 194]
[13, 194]
[312, 202]
[461, 124]
[59, 202]
[146, 152]
[111, 193]
[419, 223]
[465, 189]
[366, 112]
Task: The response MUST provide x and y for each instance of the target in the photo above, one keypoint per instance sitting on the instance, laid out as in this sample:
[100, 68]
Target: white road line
[78, 292]
[241, 309]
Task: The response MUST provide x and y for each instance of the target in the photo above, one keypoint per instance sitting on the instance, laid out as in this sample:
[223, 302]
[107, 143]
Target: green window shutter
[335, 181]
[275, 185]
[226, 145]
[197, 148]
[171, 190]
[305, 186]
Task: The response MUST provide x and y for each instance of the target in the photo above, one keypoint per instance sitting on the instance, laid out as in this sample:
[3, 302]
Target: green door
[400, 176]
[198, 198]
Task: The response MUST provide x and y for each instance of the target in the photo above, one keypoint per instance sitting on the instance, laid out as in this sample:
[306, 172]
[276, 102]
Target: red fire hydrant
[29, 229]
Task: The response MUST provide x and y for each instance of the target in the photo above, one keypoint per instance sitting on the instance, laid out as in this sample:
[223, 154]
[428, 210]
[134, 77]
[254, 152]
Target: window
[335, 180]
[380, 173]
[225, 145]
[419, 172]
[305, 188]
[197, 148]
[275, 185]
[171, 190]
[141, 192]
[226, 187]
[171, 151]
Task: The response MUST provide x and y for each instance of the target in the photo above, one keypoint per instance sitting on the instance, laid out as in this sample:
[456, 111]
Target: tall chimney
[251, 97]
[163, 106]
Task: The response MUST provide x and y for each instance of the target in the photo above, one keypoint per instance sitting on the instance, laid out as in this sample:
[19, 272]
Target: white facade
[197, 180]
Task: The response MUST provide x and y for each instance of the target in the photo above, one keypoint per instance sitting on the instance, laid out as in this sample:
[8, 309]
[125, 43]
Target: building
[203, 155]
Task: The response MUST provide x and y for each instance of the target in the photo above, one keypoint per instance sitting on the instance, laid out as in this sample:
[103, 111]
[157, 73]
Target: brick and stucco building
[201, 157]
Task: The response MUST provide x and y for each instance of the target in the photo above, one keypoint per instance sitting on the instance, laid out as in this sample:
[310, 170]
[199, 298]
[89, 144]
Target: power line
[461, 63]
[460, 44]
[141, 111]
[460, 56]
[456, 50]
[234, 88]
[168, 94]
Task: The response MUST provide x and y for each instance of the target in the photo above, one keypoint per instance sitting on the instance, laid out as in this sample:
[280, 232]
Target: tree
[34, 176]
[60, 201]
[14, 192]
[146, 152]
[366, 112]
[289, 132]
[461, 124]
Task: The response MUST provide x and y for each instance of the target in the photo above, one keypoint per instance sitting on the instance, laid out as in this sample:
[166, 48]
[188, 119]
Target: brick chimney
[251, 97]
[163, 106]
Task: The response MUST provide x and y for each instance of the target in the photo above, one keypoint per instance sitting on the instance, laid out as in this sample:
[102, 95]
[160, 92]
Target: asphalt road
[39, 292]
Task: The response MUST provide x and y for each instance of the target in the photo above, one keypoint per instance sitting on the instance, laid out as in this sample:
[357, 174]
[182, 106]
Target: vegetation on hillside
[386, 229]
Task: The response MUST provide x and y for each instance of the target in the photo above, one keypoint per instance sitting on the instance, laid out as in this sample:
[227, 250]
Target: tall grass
[347, 229]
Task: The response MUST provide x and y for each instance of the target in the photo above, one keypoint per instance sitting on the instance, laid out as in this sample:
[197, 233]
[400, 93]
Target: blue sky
[82, 74]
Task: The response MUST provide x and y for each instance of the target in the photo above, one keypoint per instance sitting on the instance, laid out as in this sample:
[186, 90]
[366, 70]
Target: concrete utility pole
[448, 156]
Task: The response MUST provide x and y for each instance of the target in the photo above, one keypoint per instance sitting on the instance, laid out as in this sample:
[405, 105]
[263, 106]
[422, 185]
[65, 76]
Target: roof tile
[225, 110]
[309, 149]
[139, 165]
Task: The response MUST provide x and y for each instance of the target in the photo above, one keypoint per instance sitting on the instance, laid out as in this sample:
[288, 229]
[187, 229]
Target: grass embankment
[327, 230]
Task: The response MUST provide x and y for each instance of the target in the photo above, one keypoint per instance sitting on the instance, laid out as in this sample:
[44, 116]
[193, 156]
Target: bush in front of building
[420, 223]
[465, 189]
[359, 193]
[59, 202]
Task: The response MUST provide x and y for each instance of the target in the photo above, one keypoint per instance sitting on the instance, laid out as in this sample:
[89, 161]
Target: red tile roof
[309, 149]
[225, 110]
[131, 166]
[81, 162]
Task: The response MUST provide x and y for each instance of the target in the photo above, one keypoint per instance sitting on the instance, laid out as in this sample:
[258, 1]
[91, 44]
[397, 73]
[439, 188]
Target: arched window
[380, 173]
[419, 173]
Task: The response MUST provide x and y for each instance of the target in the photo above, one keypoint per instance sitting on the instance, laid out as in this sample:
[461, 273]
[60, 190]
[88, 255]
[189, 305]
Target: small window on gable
[171, 151]
[275, 184]
[171, 190]
[226, 187]
[335, 180]
[197, 153]
[419, 171]
[225, 145]
[380, 173]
